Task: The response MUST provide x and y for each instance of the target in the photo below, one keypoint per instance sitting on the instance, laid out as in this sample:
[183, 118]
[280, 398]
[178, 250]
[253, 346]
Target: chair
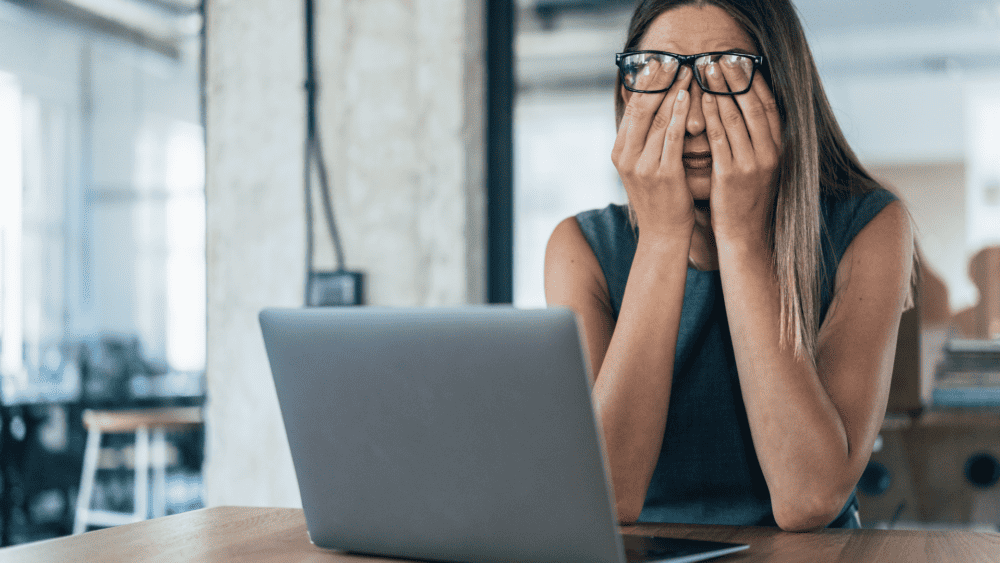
[142, 422]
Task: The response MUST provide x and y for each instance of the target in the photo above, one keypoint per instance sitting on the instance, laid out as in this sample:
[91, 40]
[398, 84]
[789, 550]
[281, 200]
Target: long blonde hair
[815, 155]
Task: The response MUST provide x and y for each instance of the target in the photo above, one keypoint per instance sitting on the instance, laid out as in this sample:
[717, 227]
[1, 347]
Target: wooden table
[279, 534]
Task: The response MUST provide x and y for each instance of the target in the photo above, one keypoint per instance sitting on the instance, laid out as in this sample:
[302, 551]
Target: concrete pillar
[402, 121]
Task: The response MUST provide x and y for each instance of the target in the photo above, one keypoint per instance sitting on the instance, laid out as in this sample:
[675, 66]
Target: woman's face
[689, 30]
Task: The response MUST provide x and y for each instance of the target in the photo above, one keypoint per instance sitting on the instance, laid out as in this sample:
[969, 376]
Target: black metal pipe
[500, 148]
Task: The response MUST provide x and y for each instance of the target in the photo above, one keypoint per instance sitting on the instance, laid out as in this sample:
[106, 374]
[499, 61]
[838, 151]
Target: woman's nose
[696, 117]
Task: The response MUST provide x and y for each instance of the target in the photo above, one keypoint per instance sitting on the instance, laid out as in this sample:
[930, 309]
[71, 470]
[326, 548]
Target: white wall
[402, 121]
[934, 194]
[562, 152]
[929, 135]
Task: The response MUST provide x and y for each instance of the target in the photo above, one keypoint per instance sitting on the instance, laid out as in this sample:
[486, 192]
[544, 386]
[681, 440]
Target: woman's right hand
[647, 154]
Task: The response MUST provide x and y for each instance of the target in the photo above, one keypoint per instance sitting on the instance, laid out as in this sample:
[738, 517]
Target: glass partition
[102, 250]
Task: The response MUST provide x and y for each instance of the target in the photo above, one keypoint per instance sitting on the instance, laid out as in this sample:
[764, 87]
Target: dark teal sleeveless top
[708, 472]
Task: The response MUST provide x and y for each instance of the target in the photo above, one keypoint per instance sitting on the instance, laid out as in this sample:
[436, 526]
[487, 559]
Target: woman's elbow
[628, 512]
[807, 515]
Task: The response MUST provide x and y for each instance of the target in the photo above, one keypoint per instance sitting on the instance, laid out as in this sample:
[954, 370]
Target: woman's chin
[700, 186]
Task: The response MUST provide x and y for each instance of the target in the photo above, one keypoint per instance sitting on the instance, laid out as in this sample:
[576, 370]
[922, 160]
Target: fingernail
[731, 59]
[681, 95]
[711, 69]
[685, 71]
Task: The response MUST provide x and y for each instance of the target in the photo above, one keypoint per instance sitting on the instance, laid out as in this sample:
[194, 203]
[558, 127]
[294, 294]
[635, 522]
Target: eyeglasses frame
[688, 60]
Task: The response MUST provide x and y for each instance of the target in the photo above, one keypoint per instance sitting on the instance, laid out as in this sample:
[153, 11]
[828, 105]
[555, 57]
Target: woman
[740, 314]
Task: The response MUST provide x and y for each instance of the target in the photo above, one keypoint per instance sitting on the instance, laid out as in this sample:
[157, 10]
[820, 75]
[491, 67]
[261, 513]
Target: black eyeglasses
[650, 72]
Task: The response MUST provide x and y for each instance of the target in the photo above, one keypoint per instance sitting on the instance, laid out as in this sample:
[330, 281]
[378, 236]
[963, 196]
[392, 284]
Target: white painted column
[402, 120]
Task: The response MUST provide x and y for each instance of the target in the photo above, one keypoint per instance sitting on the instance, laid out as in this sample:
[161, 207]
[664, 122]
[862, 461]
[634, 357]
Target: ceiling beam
[77, 13]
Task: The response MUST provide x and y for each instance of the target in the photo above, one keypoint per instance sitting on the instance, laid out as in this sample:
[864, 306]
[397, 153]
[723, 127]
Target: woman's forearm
[799, 436]
[632, 390]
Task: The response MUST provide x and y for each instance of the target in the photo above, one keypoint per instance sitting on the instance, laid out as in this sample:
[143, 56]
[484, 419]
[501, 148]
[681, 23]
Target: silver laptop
[450, 434]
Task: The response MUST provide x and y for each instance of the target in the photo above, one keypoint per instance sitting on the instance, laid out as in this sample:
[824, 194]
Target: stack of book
[969, 375]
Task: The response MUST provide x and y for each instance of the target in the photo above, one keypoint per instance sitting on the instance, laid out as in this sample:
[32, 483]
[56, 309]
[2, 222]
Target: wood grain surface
[119, 421]
[279, 535]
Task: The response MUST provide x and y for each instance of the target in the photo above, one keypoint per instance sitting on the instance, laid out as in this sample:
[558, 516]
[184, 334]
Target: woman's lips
[697, 160]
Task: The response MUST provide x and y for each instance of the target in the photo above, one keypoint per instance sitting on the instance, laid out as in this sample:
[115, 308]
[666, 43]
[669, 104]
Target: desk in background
[938, 468]
[255, 535]
[42, 445]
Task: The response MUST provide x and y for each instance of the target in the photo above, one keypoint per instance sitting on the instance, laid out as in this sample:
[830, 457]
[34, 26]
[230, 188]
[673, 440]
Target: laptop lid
[447, 434]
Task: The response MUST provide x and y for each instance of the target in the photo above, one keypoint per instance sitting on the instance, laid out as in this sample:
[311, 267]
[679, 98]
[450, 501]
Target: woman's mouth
[697, 160]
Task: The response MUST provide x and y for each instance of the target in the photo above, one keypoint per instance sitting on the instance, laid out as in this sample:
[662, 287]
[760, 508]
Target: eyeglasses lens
[716, 74]
[649, 71]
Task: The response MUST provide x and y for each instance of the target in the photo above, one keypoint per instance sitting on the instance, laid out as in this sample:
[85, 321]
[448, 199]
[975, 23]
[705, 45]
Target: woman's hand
[745, 141]
[647, 154]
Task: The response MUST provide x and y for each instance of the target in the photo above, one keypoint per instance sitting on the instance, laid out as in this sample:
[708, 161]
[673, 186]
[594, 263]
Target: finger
[673, 143]
[664, 115]
[718, 140]
[738, 78]
[729, 113]
[770, 108]
[619, 145]
[639, 80]
[642, 108]
[636, 122]
[653, 75]
[632, 113]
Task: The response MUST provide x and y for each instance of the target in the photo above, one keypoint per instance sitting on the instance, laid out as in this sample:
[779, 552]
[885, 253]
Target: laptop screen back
[449, 434]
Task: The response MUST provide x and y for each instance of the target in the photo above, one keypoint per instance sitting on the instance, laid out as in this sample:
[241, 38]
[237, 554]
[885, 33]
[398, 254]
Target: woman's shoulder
[842, 200]
[608, 230]
[612, 239]
[847, 211]
[599, 228]
[614, 216]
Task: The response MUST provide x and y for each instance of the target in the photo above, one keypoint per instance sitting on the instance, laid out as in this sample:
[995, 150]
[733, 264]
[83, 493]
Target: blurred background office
[102, 247]
[151, 202]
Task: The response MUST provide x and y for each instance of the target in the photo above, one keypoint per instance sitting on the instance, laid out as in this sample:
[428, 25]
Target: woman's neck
[703, 255]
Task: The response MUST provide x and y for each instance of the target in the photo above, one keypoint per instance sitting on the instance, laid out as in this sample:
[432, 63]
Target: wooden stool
[141, 421]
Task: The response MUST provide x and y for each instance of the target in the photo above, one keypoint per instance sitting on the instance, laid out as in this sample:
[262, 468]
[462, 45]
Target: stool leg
[159, 472]
[90, 455]
[141, 473]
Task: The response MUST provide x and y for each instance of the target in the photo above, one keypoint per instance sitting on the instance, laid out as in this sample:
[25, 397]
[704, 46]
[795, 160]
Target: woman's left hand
[744, 136]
